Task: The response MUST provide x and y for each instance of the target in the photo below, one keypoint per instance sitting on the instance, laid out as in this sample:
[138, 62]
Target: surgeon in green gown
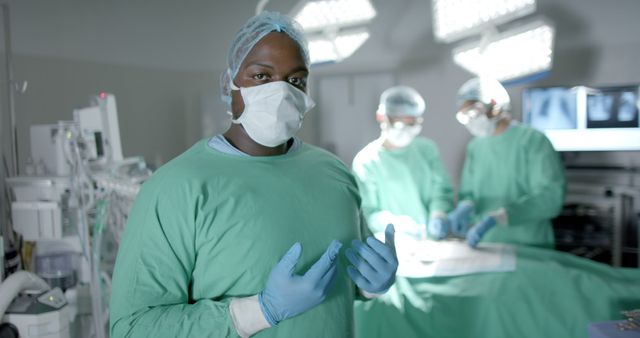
[513, 180]
[400, 175]
[241, 234]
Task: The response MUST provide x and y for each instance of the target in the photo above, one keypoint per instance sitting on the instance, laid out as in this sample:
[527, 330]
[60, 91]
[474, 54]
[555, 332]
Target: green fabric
[409, 181]
[208, 227]
[520, 171]
[551, 294]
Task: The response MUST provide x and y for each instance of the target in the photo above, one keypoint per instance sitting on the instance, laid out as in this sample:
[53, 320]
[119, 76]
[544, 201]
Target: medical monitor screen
[612, 108]
[551, 108]
[585, 118]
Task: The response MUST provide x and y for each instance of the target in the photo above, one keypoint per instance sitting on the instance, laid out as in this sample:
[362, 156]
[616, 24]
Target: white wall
[347, 106]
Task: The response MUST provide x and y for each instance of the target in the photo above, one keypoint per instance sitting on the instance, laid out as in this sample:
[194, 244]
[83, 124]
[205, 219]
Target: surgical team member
[513, 179]
[242, 232]
[400, 175]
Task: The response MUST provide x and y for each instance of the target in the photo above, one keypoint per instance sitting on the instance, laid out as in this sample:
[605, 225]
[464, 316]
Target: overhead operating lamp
[513, 54]
[318, 15]
[456, 19]
[335, 28]
[323, 49]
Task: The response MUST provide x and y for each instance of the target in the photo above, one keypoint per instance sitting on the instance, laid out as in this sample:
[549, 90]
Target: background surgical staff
[513, 180]
[400, 175]
[233, 236]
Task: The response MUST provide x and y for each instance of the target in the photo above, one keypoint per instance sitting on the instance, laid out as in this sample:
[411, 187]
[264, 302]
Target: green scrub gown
[209, 227]
[520, 171]
[409, 181]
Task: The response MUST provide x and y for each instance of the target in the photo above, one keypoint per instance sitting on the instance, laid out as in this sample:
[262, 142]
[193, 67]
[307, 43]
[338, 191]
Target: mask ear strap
[231, 84]
[234, 121]
[386, 122]
[233, 87]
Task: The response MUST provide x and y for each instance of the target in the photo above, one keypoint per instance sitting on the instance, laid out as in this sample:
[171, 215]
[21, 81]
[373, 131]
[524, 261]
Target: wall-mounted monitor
[585, 118]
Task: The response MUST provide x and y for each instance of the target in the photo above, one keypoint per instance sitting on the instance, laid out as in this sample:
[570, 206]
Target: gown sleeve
[466, 189]
[441, 199]
[546, 185]
[376, 218]
[152, 277]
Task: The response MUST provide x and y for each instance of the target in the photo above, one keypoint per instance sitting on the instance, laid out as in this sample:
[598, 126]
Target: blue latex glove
[438, 228]
[374, 263]
[476, 232]
[460, 218]
[287, 295]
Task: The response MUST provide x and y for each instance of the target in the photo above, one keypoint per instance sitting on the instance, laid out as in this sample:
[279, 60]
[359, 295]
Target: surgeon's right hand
[374, 264]
[460, 218]
[287, 295]
[478, 231]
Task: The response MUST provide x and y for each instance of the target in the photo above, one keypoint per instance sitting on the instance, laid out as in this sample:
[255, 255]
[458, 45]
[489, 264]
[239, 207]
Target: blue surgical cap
[253, 31]
[485, 90]
[401, 101]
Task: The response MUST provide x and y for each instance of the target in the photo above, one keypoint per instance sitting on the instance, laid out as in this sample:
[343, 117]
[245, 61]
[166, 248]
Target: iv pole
[10, 89]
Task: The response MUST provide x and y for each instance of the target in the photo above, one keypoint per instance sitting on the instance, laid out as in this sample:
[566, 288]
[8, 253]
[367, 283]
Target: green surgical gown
[520, 171]
[208, 227]
[409, 181]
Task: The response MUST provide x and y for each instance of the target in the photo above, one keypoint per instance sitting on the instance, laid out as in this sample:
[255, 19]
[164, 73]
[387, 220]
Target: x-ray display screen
[612, 107]
[585, 118]
[550, 108]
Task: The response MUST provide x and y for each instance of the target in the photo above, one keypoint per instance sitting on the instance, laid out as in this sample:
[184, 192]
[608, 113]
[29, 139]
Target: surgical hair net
[253, 31]
[484, 90]
[401, 101]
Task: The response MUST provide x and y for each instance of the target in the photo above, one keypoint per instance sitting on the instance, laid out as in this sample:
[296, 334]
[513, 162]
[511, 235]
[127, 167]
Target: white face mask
[400, 134]
[273, 111]
[481, 126]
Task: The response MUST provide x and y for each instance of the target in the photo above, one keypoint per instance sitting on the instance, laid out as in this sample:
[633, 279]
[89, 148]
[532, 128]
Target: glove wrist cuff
[369, 295]
[266, 312]
[501, 216]
[438, 214]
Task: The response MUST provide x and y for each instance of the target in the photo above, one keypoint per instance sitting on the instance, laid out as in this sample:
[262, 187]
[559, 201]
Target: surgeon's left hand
[374, 263]
[475, 234]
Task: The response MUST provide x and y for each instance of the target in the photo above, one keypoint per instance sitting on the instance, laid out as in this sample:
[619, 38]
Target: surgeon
[242, 233]
[400, 175]
[513, 180]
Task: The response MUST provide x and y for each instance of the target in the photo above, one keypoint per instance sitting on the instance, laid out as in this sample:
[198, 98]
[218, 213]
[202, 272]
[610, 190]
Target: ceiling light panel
[327, 14]
[455, 19]
[323, 49]
[513, 54]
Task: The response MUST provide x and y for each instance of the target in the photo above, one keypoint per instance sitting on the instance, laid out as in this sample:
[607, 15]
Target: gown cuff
[368, 295]
[501, 216]
[438, 214]
[247, 316]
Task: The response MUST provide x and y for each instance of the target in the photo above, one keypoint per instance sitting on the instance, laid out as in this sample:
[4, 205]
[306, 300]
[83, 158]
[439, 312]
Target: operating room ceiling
[194, 34]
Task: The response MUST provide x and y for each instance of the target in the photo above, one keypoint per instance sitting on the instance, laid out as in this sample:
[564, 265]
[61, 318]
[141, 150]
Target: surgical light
[324, 49]
[513, 54]
[455, 19]
[319, 15]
